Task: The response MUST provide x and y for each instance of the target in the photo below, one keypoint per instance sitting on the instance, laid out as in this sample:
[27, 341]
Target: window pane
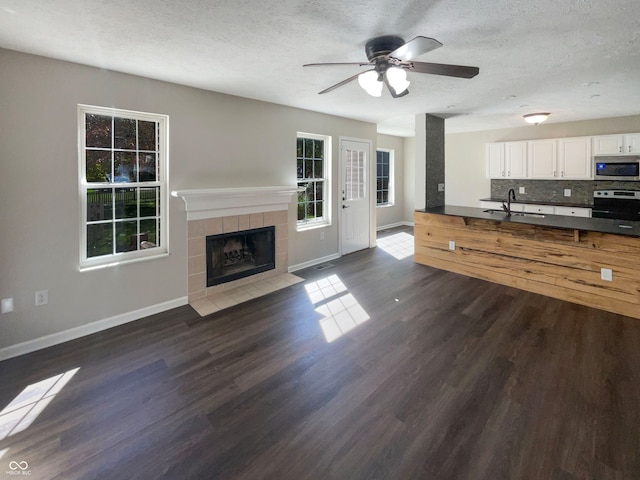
[98, 165]
[311, 211]
[319, 209]
[148, 201]
[308, 148]
[384, 183]
[124, 133]
[126, 236]
[126, 202]
[317, 169]
[385, 197]
[99, 204]
[98, 131]
[148, 171]
[124, 167]
[318, 149]
[147, 135]
[99, 239]
[300, 148]
[308, 169]
[319, 191]
[148, 233]
[300, 211]
[300, 168]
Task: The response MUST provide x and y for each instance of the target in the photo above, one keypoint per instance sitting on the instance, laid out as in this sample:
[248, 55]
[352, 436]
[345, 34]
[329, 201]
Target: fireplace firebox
[231, 256]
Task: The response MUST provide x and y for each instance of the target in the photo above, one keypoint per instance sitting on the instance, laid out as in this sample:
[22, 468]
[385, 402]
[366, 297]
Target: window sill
[87, 267]
[386, 205]
[313, 226]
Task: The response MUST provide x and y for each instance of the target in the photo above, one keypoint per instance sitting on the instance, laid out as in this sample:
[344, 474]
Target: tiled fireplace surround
[229, 210]
[198, 230]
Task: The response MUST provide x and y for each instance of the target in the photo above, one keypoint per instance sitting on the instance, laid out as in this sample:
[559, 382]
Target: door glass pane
[354, 186]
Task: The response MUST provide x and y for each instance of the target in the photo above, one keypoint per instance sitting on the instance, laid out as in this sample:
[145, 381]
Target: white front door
[355, 195]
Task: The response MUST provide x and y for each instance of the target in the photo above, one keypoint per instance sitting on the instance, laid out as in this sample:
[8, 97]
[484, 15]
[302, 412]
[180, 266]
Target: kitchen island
[558, 256]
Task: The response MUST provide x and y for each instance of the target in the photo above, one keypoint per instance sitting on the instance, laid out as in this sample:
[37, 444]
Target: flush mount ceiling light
[536, 118]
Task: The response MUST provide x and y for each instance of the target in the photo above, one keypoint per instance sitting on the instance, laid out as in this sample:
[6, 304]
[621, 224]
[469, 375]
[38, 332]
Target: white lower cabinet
[573, 211]
[548, 209]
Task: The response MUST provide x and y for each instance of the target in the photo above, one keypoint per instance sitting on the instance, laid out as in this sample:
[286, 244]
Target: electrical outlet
[452, 245]
[522, 190]
[7, 305]
[606, 274]
[567, 192]
[441, 187]
[42, 297]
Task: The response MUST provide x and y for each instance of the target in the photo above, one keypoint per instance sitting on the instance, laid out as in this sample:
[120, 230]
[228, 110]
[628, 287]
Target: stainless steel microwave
[624, 167]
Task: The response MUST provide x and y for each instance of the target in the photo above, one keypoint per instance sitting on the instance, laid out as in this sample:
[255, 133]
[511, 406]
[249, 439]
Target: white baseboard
[311, 263]
[393, 225]
[83, 330]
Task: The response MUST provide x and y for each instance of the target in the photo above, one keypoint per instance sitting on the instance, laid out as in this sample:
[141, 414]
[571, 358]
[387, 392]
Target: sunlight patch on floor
[31, 402]
[399, 245]
[340, 311]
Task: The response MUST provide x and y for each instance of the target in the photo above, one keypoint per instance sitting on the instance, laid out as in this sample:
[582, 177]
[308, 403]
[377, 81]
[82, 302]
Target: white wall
[391, 215]
[465, 166]
[215, 141]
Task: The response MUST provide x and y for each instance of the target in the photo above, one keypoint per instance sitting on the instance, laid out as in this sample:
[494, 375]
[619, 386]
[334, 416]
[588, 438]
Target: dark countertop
[534, 202]
[602, 225]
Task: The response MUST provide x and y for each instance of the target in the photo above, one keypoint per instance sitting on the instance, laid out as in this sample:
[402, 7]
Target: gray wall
[465, 165]
[215, 141]
[390, 215]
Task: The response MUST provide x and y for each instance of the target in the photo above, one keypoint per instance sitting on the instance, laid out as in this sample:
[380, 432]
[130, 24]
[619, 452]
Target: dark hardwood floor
[448, 378]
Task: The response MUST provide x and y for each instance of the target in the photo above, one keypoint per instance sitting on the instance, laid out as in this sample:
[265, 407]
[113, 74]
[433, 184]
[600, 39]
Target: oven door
[616, 208]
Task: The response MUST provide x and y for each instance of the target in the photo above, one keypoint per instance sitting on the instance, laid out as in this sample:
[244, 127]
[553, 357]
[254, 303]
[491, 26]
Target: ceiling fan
[391, 59]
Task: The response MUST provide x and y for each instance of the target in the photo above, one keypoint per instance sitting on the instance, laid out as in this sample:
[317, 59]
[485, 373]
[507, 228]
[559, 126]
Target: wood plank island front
[557, 256]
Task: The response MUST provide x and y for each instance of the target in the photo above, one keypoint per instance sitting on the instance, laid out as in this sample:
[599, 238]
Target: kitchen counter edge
[600, 225]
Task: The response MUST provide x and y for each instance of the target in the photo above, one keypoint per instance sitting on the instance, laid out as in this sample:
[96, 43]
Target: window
[313, 162]
[123, 185]
[384, 178]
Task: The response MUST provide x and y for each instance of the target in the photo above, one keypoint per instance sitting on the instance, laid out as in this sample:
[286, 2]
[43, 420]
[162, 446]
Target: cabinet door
[573, 211]
[608, 144]
[495, 160]
[632, 143]
[575, 158]
[542, 159]
[515, 159]
[539, 209]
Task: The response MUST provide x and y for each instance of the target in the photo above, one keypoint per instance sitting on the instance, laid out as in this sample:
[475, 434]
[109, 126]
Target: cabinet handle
[620, 149]
[508, 174]
[562, 173]
[629, 148]
[503, 173]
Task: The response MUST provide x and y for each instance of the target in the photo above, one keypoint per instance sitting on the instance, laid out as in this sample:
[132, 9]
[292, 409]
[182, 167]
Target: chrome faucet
[511, 197]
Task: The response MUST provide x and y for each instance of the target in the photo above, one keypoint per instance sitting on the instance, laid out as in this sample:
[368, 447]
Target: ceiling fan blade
[443, 69]
[415, 47]
[336, 63]
[392, 90]
[344, 82]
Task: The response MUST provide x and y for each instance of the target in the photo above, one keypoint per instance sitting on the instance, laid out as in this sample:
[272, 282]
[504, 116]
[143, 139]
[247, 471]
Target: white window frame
[325, 220]
[391, 198]
[90, 263]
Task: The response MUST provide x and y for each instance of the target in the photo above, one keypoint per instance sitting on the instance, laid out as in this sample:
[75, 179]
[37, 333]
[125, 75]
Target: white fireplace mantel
[223, 202]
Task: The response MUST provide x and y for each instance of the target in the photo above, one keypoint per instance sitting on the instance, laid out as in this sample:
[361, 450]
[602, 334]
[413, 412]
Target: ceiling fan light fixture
[536, 118]
[370, 83]
[397, 78]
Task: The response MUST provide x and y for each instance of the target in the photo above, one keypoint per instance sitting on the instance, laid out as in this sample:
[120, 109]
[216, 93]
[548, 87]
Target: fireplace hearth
[231, 256]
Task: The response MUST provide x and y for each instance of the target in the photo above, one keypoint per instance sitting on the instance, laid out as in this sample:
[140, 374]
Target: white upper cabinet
[542, 159]
[616, 144]
[515, 159]
[574, 158]
[495, 160]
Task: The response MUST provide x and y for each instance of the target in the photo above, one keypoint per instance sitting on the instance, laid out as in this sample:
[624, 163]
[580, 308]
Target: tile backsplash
[553, 190]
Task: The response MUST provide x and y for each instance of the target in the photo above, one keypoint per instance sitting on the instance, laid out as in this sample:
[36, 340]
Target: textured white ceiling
[578, 59]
